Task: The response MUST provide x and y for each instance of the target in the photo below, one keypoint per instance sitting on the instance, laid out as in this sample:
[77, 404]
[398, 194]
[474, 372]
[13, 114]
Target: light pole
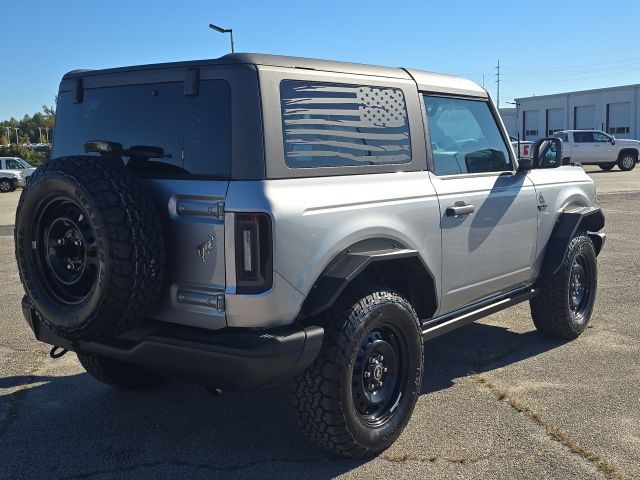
[517, 124]
[17, 139]
[40, 130]
[224, 30]
[8, 136]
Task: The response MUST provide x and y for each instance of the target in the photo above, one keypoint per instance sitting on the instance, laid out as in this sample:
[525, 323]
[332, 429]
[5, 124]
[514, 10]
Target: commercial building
[615, 110]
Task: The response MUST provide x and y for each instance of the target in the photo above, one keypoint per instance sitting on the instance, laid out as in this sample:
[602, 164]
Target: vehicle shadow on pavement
[79, 428]
[478, 348]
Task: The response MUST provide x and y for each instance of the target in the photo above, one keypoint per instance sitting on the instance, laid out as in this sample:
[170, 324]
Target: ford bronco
[252, 219]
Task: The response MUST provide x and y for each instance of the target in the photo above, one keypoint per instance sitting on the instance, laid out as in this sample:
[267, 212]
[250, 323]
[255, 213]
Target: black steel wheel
[358, 395]
[564, 303]
[66, 251]
[6, 185]
[89, 247]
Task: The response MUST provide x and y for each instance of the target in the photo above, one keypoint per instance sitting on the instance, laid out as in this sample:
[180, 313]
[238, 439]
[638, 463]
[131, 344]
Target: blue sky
[543, 46]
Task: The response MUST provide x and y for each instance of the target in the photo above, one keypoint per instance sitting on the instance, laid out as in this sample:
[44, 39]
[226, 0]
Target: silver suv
[251, 219]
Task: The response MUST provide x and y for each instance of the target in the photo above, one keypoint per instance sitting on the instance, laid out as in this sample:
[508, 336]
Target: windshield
[194, 131]
[24, 163]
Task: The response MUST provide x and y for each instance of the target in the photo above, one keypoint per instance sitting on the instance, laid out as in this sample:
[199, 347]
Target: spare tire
[89, 247]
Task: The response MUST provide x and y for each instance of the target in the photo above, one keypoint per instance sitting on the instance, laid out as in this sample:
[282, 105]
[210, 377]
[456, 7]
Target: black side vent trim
[192, 82]
[78, 91]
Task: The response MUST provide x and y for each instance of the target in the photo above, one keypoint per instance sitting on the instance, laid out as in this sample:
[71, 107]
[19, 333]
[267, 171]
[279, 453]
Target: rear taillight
[254, 258]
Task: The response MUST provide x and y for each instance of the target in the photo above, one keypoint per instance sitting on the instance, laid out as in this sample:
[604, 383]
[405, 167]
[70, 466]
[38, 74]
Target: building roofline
[580, 92]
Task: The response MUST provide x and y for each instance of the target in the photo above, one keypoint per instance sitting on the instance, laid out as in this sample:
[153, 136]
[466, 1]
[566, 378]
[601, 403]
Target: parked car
[17, 165]
[594, 147]
[10, 180]
[294, 218]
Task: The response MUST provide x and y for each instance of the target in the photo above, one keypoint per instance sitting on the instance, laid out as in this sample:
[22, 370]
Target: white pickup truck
[593, 147]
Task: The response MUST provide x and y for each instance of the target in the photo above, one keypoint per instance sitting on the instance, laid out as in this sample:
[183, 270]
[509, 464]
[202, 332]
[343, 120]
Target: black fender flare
[347, 265]
[567, 224]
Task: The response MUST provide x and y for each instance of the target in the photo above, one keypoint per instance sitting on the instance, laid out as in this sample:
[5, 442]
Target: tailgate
[192, 215]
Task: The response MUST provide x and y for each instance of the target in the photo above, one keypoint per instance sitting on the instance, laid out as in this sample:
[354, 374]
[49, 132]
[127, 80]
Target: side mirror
[612, 140]
[525, 165]
[547, 153]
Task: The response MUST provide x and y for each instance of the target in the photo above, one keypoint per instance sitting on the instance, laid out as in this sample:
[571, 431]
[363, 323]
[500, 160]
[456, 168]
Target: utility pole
[40, 130]
[17, 139]
[498, 82]
[8, 136]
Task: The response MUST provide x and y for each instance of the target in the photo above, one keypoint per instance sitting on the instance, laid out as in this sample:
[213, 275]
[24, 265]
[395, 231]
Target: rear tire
[359, 394]
[118, 374]
[564, 303]
[606, 166]
[627, 162]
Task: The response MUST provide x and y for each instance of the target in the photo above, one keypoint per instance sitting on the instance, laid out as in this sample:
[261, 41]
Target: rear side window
[583, 137]
[193, 131]
[465, 137]
[336, 125]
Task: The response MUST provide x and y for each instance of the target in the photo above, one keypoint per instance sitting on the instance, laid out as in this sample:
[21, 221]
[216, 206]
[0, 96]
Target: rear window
[336, 125]
[193, 131]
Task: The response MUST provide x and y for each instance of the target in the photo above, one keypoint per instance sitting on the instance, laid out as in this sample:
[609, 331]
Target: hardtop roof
[427, 81]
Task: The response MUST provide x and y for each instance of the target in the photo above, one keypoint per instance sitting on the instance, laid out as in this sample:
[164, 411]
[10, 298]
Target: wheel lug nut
[371, 387]
[61, 241]
[385, 369]
[69, 266]
[380, 358]
[367, 374]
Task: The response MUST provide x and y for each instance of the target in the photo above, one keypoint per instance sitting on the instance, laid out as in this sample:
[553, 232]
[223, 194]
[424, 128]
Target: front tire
[118, 374]
[564, 303]
[6, 185]
[358, 395]
[627, 162]
[606, 166]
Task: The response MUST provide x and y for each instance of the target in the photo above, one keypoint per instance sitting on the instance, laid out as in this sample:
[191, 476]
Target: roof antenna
[223, 30]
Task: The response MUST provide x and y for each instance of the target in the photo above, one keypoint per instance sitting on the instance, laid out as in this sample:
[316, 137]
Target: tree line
[31, 129]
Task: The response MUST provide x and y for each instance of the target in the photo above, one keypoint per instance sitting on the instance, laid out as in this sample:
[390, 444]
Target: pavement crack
[433, 458]
[554, 432]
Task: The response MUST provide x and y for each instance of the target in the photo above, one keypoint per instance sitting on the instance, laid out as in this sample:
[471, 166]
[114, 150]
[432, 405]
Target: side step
[435, 327]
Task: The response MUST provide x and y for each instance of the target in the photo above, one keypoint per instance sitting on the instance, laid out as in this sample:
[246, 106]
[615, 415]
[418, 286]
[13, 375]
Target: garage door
[619, 119]
[530, 122]
[555, 120]
[584, 118]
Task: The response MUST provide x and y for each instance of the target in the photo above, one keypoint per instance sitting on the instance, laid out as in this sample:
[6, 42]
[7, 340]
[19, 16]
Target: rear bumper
[229, 359]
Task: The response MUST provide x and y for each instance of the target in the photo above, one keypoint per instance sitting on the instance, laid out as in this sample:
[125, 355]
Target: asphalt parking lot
[499, 401]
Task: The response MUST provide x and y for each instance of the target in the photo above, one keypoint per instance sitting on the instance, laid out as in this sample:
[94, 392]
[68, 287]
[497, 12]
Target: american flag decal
[334, 125]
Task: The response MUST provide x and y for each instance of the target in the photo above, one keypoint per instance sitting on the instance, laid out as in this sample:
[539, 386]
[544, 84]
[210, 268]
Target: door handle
[459, 209]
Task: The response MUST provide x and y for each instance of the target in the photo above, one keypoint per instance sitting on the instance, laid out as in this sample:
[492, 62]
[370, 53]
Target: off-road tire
[325, 396]
[6, 185]
[627, 162]
[551, 308]
[606, 166]
[122, 240]
[118, 374]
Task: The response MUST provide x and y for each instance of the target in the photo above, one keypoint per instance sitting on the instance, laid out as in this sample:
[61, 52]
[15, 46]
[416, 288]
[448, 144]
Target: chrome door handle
[462, 209]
